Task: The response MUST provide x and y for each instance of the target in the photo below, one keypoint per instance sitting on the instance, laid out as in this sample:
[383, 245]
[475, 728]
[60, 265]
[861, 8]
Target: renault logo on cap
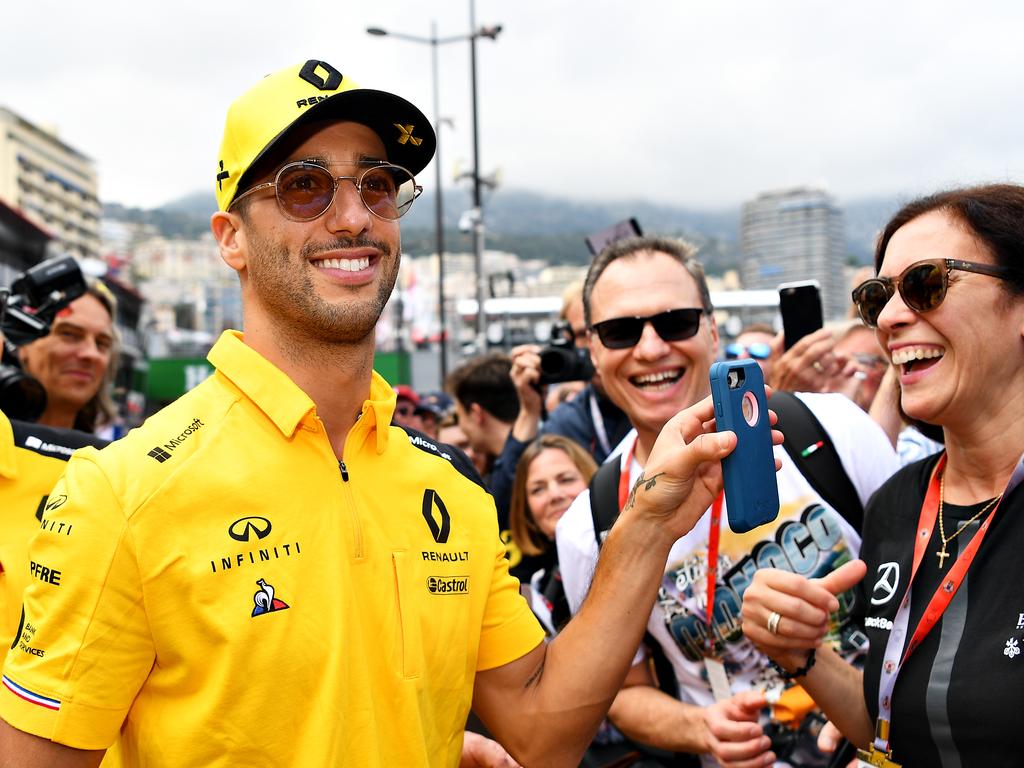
[244, 528]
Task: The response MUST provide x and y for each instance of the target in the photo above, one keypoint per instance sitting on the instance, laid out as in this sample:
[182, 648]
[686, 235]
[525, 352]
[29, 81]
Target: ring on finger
[773, 622]
[818, 366]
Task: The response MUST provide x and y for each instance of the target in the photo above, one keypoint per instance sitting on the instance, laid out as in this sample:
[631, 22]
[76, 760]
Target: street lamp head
[376, 31]
[491, 32]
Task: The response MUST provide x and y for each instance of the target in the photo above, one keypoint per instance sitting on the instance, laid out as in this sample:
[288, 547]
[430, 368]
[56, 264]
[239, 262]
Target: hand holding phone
[751, 492]
[800, 307]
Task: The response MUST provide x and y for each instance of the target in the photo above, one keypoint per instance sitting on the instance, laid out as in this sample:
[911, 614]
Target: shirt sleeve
[84, 647]
[510, 630]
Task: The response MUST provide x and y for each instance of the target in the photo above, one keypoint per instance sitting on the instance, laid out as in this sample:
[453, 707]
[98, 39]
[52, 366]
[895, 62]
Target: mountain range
[534, 225]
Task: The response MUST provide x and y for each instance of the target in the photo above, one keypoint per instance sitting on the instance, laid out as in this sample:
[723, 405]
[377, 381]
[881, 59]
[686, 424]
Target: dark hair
[679, 250]
[992, 213]
[525, 531]
[486, 380]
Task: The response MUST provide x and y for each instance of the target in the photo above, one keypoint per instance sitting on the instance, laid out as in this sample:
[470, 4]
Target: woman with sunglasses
[943, 682]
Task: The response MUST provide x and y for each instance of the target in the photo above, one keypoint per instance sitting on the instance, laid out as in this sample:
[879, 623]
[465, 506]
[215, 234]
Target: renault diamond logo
[242, 529]
[431, 502]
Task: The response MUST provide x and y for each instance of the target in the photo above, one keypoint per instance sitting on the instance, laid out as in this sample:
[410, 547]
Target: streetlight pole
[478, 210]
[478, 225]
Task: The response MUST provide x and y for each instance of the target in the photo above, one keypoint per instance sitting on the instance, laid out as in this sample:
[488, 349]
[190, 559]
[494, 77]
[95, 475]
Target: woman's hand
[802, 606]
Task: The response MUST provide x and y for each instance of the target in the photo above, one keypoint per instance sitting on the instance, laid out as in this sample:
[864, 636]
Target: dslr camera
[562, 360]
[27, 311]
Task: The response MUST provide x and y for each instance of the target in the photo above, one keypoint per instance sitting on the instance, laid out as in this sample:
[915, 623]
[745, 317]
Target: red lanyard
[949, 586]
[713, 536]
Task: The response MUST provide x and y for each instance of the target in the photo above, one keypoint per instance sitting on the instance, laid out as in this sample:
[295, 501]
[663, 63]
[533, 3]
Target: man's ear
[227, 231]
[477, 413]
[713, 326]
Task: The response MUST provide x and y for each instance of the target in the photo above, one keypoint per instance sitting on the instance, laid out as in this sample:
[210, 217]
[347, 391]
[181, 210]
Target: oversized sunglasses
[922, 286]
[306, 190]
[758, 351]
[625, 332]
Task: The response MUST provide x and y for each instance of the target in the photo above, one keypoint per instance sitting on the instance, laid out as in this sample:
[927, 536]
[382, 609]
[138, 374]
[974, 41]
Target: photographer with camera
[590, 418]
[33, 455]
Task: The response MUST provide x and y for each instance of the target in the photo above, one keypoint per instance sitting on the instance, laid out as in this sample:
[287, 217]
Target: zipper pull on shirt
[344, 471]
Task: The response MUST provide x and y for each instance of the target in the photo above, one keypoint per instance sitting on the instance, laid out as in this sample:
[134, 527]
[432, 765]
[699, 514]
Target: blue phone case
[751, 491]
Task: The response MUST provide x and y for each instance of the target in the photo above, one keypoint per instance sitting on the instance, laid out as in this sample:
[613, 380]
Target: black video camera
[27, 311]
[562, 360]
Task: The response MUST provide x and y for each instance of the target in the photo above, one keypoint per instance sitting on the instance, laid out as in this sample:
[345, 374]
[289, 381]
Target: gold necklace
[942, 554]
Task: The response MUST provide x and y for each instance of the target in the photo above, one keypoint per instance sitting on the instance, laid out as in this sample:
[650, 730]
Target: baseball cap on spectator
[437, 403]
[263, 116]
[404, 391]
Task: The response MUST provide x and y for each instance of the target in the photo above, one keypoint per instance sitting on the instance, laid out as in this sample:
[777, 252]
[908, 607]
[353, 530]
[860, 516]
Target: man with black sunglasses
[653, 340]
[270, 572]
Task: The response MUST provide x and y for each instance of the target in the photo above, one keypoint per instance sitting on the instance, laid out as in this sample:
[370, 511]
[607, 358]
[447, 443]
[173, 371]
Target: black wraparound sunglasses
[922, 286]
[625, 332]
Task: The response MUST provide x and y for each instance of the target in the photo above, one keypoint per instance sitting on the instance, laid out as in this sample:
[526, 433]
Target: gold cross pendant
[942, 555]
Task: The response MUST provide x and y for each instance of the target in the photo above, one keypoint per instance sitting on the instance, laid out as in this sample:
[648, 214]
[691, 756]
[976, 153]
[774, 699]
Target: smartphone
[751, 492]
[800, 306]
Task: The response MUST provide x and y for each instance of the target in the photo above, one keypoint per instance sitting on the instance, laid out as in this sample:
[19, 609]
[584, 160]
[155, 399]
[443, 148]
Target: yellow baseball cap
[314, 90]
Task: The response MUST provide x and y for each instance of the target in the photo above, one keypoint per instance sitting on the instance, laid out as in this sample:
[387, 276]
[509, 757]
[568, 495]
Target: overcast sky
[701, 104]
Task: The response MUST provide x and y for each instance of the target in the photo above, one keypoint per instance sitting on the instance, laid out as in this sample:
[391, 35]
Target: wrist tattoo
[647, 483]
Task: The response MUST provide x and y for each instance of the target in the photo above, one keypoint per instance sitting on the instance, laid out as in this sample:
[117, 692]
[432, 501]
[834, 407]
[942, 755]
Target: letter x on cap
[263, 115]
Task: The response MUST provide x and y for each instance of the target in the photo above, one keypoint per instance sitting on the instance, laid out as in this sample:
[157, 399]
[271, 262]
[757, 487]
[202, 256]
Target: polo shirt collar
[261, 381]
[274, 393]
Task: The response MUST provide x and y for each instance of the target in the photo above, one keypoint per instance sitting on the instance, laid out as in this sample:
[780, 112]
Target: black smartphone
[751, 490]
[800, 306]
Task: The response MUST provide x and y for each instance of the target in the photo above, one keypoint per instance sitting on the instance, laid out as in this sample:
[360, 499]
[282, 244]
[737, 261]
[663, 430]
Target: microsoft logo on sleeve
[160, 454]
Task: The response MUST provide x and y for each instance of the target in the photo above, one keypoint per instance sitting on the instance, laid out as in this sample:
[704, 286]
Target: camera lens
[21, 397]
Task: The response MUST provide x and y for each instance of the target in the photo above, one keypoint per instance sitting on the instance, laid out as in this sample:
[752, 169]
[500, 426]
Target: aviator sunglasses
[306, 190]
[625, 332]
[758, 350]
[922, 286]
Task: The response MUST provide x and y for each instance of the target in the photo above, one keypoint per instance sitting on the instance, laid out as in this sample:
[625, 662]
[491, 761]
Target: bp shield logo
[436, 515]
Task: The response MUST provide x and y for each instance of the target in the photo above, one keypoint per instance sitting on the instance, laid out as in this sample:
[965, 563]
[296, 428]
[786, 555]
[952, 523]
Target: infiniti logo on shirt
[242, 529]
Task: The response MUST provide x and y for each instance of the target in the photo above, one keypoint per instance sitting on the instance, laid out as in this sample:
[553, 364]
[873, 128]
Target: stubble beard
[285, 287]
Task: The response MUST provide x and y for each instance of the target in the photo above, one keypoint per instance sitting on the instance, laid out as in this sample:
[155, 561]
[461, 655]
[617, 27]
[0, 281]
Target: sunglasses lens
[733, 351]
[388, 191]
[871, 297]
[677, 324]
[923, 287]
[759, 351]
[620, 333]
[305, 191]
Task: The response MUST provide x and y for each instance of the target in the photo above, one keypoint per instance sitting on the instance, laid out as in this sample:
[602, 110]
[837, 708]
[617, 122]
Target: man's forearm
[650, 716]
[586, 664]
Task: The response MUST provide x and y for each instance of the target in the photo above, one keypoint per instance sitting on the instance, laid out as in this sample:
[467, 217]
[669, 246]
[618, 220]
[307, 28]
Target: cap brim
[391, 117]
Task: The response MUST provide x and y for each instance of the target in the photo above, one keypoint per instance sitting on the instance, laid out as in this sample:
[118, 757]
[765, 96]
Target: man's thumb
[841, 579]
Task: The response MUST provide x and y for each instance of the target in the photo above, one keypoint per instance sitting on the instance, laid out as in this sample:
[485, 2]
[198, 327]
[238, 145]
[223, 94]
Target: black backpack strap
[604, 498]
[814, 455]
[553, 591]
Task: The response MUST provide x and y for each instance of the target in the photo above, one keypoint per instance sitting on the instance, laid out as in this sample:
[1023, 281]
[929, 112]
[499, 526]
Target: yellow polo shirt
[32, 457]
[232, 594]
